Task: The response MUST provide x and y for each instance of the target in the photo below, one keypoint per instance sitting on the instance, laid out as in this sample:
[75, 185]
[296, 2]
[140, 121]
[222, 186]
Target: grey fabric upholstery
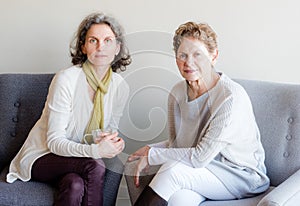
[21, 102]
[277, 111]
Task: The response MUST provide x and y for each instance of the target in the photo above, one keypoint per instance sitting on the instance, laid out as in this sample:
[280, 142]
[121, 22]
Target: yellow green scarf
[100, 87]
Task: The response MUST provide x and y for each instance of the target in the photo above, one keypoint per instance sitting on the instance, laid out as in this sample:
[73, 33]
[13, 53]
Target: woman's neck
[198, 87]
[101, 71]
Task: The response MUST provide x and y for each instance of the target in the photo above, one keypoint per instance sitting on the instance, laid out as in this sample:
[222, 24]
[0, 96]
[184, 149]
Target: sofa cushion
[244, 202]
[25, 193]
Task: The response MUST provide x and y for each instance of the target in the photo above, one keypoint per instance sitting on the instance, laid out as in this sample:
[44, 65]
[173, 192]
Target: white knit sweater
[61, 126]
[217, 131]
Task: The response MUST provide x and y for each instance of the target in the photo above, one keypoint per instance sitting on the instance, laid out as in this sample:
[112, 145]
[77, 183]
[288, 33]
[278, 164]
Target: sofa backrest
[277, 111]
[22, 98]
[276, 107]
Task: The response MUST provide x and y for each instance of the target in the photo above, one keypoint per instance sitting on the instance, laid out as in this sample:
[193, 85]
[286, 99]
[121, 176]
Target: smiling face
[193, 59]
[100, 46]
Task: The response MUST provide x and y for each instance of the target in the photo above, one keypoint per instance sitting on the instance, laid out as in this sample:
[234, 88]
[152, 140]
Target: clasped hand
[110, 145]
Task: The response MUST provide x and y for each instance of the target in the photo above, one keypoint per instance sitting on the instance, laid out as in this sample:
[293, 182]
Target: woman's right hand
[142, 156]
[143, 151]
[111, 145]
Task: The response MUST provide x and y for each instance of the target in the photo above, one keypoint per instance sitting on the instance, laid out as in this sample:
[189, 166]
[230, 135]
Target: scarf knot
[100, 87]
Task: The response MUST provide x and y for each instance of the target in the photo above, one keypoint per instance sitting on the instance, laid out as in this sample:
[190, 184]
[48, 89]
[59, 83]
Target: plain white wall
[258, 39]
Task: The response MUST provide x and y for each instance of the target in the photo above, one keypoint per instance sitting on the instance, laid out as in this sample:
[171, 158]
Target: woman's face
[193, 59]
[101, 45]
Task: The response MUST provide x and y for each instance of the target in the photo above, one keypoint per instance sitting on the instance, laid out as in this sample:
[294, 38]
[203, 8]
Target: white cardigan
[217, 131]
[65, 116]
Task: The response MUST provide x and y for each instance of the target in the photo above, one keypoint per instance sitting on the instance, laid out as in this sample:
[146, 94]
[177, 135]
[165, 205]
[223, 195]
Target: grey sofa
[277, 111]
[22, 98]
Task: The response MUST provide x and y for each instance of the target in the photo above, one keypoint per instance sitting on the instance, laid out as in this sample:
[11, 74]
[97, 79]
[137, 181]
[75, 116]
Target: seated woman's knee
[95, 167]
[171, 169]
[73, 182]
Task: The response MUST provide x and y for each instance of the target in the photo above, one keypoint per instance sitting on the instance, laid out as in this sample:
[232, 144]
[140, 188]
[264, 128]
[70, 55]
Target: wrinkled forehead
[191, 45]
[100, 30]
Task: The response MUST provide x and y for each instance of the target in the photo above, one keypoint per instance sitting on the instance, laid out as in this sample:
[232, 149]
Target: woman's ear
[83, 49]
[118, 49]
[215, 57]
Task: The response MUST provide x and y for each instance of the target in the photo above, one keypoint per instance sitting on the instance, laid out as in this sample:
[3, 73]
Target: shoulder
[178, 93]
[119, 83]
[227, 88]
[68, 73]
[228, 92]
[179, 90]
[117, 78]
[66, 79]
[179, 86]
[232, 88]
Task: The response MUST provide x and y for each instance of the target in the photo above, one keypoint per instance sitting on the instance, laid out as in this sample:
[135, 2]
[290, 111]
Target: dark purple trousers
[80, 180]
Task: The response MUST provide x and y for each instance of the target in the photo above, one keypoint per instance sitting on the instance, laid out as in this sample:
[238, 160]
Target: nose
[189, 60]
[99, 45]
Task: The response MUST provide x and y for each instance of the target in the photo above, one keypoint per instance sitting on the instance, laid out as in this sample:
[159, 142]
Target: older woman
[214, 149]
[89, 95]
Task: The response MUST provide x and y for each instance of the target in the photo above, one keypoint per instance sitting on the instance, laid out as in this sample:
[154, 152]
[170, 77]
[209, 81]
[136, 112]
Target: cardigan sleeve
[209, 145]
[59, 105]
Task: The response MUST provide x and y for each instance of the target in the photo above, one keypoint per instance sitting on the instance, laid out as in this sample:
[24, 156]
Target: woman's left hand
[111, 145]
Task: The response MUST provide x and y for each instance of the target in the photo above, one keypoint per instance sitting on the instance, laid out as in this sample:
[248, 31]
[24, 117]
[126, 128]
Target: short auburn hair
[202, 31]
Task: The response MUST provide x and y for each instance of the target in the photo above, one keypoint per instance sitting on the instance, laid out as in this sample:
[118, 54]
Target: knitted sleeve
[59, 103]
[210, 143]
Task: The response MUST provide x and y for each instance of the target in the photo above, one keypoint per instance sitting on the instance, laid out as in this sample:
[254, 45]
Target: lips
[189, 71]
[100, 55]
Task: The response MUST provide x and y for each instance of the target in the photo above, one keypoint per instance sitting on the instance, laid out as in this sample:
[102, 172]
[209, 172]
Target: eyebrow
[113, 37]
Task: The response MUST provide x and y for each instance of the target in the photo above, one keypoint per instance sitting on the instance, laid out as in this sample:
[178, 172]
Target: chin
[102, 64]
[189, 78]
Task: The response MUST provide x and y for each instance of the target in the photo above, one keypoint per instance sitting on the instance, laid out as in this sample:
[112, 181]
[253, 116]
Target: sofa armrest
[287, 193]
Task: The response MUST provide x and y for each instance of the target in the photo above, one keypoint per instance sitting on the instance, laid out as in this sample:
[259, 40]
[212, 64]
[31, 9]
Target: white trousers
[180, 184]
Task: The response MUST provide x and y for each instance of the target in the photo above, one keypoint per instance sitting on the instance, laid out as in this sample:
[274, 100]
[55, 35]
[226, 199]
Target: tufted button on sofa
[22, 98]
[277, 111]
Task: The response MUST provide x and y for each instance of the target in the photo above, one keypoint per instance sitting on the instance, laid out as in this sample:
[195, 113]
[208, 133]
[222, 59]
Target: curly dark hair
[123, 58]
